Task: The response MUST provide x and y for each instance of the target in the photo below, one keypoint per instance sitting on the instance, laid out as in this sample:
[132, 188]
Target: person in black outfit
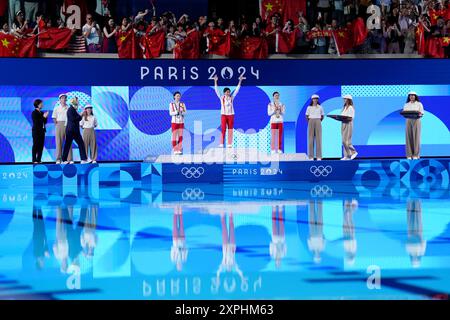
[73, 132]
[38, 131]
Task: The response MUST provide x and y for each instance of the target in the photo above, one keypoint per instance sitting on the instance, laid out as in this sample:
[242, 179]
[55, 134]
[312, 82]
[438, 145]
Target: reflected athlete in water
[415, 244]
[178, 251]
[228, 263]
[316, 239]
[350, 245]
[278, 248]
[88, 237]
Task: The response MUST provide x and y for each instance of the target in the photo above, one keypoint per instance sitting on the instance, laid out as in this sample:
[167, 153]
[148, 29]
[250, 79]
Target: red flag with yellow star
[435, 48]
[435, 14]
[28, 47]
[55, 38]
[126, 44]
[445, 41]
[288, 9]
[11, 46]
[420, 40]
[154, 44]
[254, 48]
[287, 41]
[189, 48]
[219, 43]
[343, 40]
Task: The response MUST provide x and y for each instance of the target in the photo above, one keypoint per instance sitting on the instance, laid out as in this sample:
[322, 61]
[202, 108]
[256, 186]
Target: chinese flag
[445, 41]
[435, 14]
[343, 40]
[28, 47]
[420, 40]
[219, 43]
[288, 9]
[189, 48]
[154, 44]
[55, 38]
[10, 46]
[254, 48]
[286, 41]
[435, 48]
[359, 32]
[126, 44]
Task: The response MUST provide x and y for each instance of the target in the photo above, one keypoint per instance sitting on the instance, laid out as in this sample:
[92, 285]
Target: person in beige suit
[59, 117]
[314, 115]
[347, 128]
[88, 123]
[413, 126]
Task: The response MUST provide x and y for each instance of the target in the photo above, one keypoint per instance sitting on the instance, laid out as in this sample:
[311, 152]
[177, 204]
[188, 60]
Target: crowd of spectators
[392, 25]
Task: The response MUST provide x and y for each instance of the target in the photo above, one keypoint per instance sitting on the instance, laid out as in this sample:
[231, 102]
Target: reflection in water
[88, 235]
[65, 229]
[415, 245]
[40, 243]
[61, 245]
[278, 248]
[350, 206]
[72, 238]
[179, 251]
[228, 263]
[316, 239]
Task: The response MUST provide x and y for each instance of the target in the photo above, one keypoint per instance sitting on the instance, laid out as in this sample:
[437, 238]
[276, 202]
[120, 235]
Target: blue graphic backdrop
[132, 105]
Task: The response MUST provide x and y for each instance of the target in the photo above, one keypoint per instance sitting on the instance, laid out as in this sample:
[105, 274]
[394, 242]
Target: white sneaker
[319, 159]
[71, 162]
[409, 158]
[354, 155]
[229, 146]
[221, 145]
[415, 158]
[94, 161]
[58, 161]
[345, 158]
[85, 162]
[279, 151]
[65, 162]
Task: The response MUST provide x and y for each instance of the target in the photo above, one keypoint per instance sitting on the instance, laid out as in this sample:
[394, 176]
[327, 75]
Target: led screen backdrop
[134, 121]
[131, 99]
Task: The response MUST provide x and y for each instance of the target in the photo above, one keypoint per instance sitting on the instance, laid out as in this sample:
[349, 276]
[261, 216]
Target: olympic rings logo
[321, 191]
[321, 171]
[193, 194]
[192, 172]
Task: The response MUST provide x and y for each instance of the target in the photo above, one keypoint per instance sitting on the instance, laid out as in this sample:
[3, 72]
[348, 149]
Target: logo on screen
[192, 172]
[321, 171]
[227, 73]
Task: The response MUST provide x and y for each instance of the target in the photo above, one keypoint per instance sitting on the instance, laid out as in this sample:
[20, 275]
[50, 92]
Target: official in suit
[73, 132]
[39, 121]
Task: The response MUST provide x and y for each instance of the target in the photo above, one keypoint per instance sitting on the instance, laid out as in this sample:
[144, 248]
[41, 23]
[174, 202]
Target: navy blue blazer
[73, 120]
